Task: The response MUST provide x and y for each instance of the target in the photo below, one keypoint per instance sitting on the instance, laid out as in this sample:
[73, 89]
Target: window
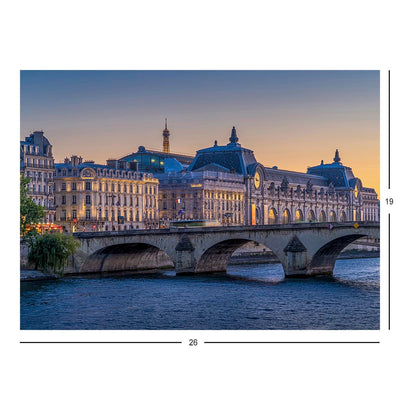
[73, 186]
[88, 185]
[73, 199]
[63, 186]
[87, 214]
[73, 214]
[88, 200]
[63, 200]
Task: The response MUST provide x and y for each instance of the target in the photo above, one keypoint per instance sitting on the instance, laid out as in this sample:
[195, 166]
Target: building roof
[300, 178]
[81, 166]
[336, 173]
[182, 158]
[38, 139]
[232, 157]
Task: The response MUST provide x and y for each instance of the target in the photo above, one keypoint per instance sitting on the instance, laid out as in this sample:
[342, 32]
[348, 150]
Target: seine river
[247, 297]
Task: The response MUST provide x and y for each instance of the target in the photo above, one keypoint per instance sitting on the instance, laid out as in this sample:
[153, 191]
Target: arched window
[332, 216]
[286, 216]
[272, 216]
[298, 216]
[310, 216]
[343, 217]
[322, 216]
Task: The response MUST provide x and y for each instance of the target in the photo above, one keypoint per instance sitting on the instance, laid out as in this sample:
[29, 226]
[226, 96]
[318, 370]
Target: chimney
[66, 160]
[75, 160]
[112, 164]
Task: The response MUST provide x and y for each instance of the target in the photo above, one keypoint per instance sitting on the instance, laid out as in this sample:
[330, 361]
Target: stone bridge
[304, 249]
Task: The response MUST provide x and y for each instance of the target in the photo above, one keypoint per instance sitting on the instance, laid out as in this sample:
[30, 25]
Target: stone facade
[112, 197]
[206, 195]
[37, 163]
[227, 184]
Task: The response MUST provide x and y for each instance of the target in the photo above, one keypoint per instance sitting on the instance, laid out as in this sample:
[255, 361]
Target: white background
[196, 35]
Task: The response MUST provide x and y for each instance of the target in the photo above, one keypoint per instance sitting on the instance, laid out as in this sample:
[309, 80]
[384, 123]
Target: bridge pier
[185, 262]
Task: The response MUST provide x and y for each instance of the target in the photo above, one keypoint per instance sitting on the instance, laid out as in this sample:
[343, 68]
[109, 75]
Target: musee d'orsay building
[226, 184]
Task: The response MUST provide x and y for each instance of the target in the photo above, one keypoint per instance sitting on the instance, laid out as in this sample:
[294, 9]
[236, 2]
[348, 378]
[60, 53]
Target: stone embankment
[32, 275]
[269, 258]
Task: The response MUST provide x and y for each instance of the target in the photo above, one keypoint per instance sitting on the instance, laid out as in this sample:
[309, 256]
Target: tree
[50, 252]
[30, 212]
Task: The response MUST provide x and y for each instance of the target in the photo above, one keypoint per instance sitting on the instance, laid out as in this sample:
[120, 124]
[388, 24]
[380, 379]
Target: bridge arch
[310, 216]
[322, 216]
[127, 257]
[324, 259]
[272, 216]
[286, 217]
[298, 216]
[216, 257]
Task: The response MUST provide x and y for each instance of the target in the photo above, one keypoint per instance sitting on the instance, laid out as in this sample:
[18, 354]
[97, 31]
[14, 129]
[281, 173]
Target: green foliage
[30, 212]
[50, 252]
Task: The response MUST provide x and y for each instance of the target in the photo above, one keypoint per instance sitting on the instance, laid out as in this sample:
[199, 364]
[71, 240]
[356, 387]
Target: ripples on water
[247, 297]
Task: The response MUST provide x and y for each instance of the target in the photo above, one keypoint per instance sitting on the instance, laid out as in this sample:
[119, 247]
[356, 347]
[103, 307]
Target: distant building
[37, 163]
[94, 197]
[155, 161]
[227, 184]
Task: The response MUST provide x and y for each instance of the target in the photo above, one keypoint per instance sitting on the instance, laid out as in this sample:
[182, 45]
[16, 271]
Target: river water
[246, 297]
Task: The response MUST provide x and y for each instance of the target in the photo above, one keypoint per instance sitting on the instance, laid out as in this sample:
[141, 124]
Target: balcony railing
[30, 165]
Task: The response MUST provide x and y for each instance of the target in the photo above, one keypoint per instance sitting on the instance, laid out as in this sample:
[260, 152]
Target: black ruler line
[389, 271]
[319, 342]
[389, 129]
[51, 342]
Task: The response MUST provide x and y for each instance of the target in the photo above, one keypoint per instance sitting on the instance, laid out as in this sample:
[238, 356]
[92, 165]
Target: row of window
[224, 206]
[115, 200]
[42, 189]
[105, 187]
[39, 163]
[234, 218]
[107, 173]
[106, 216]
[223, 195]
[39, 175]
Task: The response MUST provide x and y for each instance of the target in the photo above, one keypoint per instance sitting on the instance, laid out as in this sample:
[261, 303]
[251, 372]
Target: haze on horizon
[291, 119]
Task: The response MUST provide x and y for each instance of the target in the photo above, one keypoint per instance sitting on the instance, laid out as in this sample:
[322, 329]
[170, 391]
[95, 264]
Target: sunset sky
[291, 119]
